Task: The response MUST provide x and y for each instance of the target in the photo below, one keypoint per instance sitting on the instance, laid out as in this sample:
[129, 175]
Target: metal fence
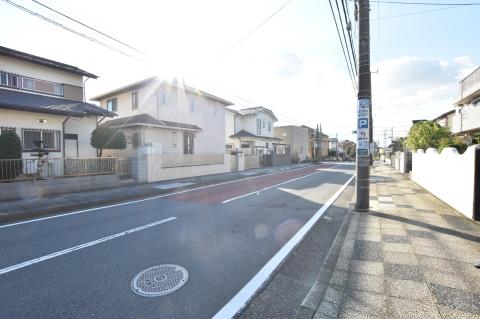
[28, 169]
[183, 160]
[123, 168]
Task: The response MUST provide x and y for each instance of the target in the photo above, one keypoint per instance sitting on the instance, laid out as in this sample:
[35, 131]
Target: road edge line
[243, 297]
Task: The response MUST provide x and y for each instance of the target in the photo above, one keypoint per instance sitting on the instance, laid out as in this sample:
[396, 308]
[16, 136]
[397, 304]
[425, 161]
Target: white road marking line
[263, 189]
[240, 300]
[257, 192]
[85, 245]
[143, 199]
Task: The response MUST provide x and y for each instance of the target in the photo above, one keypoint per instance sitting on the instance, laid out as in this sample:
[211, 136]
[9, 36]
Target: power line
[353, 65]
[87, 26]
[427, 3]
[246, 36]
[349, 32]
[343, 48]
[420, 12]
[58, 24]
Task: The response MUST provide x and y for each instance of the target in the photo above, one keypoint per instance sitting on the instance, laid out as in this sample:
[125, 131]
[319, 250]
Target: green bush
[108, 138]
[10, 149]
[454, 142]
[428, 134]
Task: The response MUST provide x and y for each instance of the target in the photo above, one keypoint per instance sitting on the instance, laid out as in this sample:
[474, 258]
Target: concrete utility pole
[336, 146]
[364, 128]
[321, 142]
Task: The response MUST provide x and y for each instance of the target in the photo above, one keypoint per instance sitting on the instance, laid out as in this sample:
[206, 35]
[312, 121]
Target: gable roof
[444, 115]
[148, 120]
[22, 101]
[255, 110]
[243, 133]
[43, 61]
[155, 80]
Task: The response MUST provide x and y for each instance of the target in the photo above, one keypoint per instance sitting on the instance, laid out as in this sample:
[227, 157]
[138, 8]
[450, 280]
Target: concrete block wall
[448, 175]
[40, 188]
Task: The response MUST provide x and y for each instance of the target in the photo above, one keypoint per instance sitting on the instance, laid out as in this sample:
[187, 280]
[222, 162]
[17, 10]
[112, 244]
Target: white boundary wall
[449, 176]
[156, 173]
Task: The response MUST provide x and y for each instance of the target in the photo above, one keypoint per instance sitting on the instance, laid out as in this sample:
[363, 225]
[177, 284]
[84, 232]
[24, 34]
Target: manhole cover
[159, 280]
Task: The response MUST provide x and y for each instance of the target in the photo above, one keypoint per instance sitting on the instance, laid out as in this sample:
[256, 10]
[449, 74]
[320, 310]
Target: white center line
[240, 300]
[144, 199]
[85, 245]
[263, 189]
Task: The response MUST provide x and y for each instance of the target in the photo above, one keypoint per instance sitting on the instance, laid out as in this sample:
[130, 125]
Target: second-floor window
[112, 105]
[263, 124]
[269, 126]
[134, 100]
[259, 127]
[9, 79]
[192, 105]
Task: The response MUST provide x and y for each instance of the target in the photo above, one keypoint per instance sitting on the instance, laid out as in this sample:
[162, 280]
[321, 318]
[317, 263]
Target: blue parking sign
[363, 123]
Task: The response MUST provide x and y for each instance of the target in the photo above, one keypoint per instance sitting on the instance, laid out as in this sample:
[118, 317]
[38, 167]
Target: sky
[293, 64]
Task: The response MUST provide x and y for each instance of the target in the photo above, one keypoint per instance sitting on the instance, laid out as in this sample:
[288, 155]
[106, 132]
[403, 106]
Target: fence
[452, 177]
[252, 161]
[29, 169]
[123, 168]
[184, 160]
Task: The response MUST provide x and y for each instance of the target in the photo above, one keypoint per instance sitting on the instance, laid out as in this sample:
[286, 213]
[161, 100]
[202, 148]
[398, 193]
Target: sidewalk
[26, 208]
[410, 256]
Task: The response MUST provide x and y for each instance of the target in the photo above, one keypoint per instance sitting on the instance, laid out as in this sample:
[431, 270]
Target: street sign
[363, 127]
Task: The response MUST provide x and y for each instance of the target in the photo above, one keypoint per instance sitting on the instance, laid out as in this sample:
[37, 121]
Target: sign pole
[364, 111]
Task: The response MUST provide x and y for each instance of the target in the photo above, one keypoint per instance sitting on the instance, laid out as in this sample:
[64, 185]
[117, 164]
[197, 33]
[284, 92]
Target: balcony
[467, 120]
[469, 88]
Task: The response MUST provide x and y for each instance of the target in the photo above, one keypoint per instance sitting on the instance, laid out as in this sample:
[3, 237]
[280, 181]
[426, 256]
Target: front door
[71, 145]
[188, 143]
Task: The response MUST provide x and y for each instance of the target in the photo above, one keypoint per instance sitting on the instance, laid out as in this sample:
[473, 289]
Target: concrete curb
[313, 298]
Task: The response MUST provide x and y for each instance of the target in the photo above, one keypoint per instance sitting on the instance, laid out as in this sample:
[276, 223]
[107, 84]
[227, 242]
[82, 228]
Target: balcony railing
[469, 82]
[30, 169]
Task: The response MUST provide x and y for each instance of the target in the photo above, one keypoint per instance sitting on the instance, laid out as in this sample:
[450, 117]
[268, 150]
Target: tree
[10, 149]
[108, 138]
[476, 139]
[397, 144]
[351, 150]
[426, 134]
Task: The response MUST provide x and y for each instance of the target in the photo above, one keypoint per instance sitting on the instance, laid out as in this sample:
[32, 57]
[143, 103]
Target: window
[4, 129]
[188, 143]
[9, 79]
[245, 146]
[192, 105]
[263, 124]
[27, 84]
[174, 139]
[112, 105]
[135, 140]
[164, 98]
[269, 126]
[50, 138]
[259, 127]
[134, 100]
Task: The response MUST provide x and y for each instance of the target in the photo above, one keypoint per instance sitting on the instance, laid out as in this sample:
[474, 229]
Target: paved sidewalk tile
[410, 256]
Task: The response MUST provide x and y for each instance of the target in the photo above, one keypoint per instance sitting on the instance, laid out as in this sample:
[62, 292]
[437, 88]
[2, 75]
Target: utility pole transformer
[364, 112]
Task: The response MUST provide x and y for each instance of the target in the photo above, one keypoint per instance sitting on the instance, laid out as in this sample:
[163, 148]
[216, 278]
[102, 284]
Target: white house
[166, 117]
[43, 100]
[251, 130]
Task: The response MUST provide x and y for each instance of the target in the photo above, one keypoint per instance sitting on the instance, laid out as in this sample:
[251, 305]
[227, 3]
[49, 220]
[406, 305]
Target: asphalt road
[82, 265]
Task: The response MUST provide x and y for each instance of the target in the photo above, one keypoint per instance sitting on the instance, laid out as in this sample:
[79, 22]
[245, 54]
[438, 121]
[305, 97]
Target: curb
[315, 295]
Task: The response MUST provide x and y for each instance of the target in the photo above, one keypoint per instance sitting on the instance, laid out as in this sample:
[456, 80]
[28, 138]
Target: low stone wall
[448, 175]
[277, 159]
[156, 173]
[40, 188]
[252, 161]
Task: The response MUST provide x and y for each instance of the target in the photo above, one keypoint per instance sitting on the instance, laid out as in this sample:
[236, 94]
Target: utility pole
[336, 146]
[364, 123]
[321, 142]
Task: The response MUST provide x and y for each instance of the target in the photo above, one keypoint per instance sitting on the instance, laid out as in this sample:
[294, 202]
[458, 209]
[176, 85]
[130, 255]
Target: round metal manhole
[159, 280]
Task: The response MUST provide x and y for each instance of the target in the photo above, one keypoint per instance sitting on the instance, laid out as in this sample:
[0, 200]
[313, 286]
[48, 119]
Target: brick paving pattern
[409, 256]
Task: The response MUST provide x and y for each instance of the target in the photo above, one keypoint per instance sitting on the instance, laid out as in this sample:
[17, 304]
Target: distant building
[298, 139]
[251, 131]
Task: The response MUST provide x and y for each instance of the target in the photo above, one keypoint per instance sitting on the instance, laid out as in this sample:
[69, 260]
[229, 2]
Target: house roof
[23, 101]
[154, 79]
[255, 110]
[312, 129]
[147, 120]
[444, 115]
[42, 61]
[243, 133]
